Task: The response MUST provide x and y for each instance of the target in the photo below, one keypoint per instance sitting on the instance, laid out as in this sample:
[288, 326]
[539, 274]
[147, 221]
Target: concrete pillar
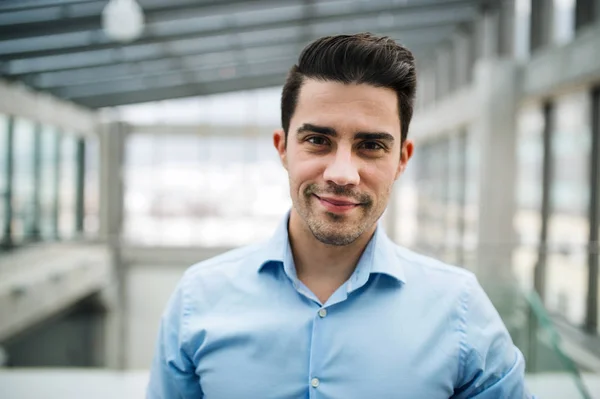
[497, 89]
[419, 98]
[442, 71]
[486, 34]
[112, 149]
[430, 89]
[462, 58]
[112, 139]
[451, 72]
[541, 23]
[506, 25]
[426, 85]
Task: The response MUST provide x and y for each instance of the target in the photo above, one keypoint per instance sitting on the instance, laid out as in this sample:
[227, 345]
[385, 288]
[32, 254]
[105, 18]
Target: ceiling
[197, 47]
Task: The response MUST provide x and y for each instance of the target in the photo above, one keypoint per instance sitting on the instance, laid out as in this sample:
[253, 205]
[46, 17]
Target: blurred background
[135, 140]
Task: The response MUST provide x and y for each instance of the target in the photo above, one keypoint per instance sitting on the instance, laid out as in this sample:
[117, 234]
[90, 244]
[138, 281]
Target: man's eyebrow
[374, 136]
[309, 127]
[328, 131]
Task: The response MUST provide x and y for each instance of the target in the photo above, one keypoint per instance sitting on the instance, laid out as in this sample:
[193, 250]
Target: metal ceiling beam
[216, 60]
[278, 65]
[274, 62]
[21, 5]
[287, 35]
[179, 91]
[95, 40]
[22, 20]
[164, 73]
[110, 72]
[77, 16]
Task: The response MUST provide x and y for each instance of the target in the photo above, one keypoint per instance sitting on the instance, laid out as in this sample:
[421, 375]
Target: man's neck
[323, 268]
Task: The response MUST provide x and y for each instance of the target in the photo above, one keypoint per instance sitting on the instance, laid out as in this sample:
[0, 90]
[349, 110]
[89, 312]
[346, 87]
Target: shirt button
[323, 312]
[315, 382]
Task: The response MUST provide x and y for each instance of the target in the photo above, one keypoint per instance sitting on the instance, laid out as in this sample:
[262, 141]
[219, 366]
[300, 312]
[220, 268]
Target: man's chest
[316, 353]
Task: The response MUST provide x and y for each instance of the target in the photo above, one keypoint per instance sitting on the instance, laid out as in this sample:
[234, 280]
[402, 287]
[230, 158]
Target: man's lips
[337, 201]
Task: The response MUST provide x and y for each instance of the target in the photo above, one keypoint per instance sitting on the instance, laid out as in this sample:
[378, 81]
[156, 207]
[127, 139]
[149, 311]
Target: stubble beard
[334, 229]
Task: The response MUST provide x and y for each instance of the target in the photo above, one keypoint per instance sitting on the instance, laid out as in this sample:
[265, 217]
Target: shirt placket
[317, 353]
[318, 347]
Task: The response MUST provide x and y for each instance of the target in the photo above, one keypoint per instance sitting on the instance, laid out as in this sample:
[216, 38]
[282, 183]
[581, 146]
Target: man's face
[343, 154]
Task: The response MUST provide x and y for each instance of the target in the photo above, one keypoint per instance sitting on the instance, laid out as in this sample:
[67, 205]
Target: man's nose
[342, 171]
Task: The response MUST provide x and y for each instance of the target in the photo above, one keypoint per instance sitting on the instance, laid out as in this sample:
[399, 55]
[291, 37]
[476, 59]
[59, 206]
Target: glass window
[202, 190]
[433, 196]
[527, 221]
[48, 187]
[568, 226]
[67, 186]
[23, 180]
[421, 158]
[91, 222]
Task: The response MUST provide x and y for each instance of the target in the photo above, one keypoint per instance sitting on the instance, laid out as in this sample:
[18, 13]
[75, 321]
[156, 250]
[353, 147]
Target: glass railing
[550, 369]
[546, 333]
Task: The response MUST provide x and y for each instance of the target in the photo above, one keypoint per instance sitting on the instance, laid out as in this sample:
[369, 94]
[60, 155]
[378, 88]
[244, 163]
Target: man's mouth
[337, 205]
[336, 201]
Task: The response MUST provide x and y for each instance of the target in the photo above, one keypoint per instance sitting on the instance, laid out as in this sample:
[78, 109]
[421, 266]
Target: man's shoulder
[227, 262]
[431, 282]
[417, 265]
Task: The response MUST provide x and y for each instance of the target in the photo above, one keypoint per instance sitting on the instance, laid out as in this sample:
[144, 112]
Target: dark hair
[359, 58]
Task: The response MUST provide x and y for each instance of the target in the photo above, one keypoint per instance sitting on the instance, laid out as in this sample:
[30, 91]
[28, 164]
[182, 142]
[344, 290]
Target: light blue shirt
[242, 325]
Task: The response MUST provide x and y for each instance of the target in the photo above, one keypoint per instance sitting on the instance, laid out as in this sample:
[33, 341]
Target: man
[330, 307]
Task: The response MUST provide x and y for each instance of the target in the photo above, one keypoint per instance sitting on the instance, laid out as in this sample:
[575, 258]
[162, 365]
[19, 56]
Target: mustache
[341, 191]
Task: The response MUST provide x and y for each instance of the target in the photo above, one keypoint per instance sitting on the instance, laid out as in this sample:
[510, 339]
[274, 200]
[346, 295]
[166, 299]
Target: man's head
[345, 109]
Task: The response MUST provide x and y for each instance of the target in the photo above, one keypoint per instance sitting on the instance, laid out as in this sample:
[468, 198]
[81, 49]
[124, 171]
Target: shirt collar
[380, 256]
[385, 256]
[278, 245]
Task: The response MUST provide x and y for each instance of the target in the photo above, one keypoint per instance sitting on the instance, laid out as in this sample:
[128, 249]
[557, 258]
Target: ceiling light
[123, 20]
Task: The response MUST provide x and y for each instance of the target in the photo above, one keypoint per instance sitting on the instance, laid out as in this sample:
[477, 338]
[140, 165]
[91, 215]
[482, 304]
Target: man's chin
[335, 240]
[333, 232]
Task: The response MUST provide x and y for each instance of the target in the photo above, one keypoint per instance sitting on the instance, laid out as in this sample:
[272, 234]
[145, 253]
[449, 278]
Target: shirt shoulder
[434, 283]
[207, 282]
[419, 266]
[227, 260]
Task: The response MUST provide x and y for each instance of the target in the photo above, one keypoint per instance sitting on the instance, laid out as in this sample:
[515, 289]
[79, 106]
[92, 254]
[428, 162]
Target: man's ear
[280, 146]
[406, 152]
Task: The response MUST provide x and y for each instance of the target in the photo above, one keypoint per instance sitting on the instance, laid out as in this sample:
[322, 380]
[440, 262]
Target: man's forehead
[338, 104]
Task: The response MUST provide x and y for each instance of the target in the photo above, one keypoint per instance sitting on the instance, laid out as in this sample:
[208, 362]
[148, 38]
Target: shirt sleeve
[172, 374]
[492, 366]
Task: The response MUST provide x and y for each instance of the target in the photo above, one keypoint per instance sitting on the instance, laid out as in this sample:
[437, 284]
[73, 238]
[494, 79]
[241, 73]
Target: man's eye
[372, 146]
[317, 140]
